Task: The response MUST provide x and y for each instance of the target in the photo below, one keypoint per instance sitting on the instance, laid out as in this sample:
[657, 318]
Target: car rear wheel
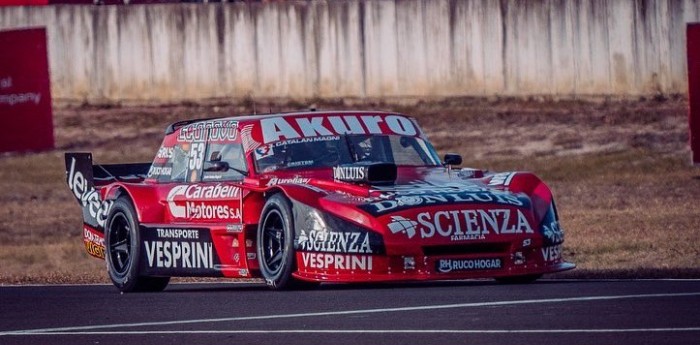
[276, 244]
[122, 241]
[526, 279]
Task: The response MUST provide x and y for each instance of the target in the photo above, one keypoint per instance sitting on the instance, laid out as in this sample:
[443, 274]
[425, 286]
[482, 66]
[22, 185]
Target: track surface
[472, 312]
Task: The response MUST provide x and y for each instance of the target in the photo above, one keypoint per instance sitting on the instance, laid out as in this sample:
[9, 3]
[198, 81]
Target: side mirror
[216, 166]
[453, 159]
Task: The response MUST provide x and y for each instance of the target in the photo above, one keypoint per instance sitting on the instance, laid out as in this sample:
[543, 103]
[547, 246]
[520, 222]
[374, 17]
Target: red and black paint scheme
[309, 197]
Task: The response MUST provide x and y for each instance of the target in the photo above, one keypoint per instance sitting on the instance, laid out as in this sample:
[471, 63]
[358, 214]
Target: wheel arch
[254, 202]
[142, 197]
[537, 190]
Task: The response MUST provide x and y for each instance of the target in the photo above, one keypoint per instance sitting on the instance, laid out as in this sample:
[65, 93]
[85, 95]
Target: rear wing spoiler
[108, 173]
[83, 178]
[102, 174]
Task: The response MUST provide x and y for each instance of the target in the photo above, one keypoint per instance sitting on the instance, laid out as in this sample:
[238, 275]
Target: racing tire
[526, 279]
[123, 250]
[276, 255]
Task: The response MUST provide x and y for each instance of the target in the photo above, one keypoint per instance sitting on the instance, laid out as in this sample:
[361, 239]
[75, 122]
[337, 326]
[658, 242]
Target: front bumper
[327, 267]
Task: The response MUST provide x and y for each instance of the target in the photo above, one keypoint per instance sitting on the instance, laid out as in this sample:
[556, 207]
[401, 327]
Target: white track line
[350, 312]
[262, 282]
[376, 331]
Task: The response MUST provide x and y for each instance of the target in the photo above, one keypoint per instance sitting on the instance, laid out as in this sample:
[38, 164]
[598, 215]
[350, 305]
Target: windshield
[331, 151]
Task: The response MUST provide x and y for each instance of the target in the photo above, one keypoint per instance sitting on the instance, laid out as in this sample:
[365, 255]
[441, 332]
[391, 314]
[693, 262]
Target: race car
[308, 197]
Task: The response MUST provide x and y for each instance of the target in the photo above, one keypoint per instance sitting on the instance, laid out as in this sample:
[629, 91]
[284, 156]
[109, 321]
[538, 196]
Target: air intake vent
[465, 249]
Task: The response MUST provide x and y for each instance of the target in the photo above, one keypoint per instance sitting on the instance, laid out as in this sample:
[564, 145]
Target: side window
[404, 151]
[371, 148]
[184, 161]
[224, 162]
[191, 159]
[179, 161]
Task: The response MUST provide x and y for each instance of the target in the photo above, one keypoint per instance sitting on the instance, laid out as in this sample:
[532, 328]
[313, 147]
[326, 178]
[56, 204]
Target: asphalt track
[470, 312]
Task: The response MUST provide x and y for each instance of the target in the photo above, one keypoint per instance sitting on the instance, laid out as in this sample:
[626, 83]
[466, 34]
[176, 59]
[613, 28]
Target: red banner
[25, 95]
[693, 48]
[23, 2]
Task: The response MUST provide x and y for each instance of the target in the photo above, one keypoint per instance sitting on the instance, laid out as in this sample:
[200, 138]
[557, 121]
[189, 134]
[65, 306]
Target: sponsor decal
[452, 265]
[247, 138]
[553, 232]
[164, 153]
[294, 180]
[178, 251]
[95, 211]
[209, 177]
[409, 263]
[399, 203]
[219, 130]
[208, 192]
[264, 151]
[305, 140]
[349, 173]
[203, 209]
[196, 158]
[178, 233]
[300, 164]
[234, 228]
[94, 242]
[551, 254]
[159, 171]
[281, 128]
[319, 231]
[327, 261]
[397, 198]
[173, 254]
[461, 225]
[403, 225]
[501, 179]
[518, 258]
[335, 242]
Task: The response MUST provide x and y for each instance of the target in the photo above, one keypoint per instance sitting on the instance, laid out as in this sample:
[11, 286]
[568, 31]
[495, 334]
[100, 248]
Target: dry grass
[627, 196]
[62, 262]
[631, 210]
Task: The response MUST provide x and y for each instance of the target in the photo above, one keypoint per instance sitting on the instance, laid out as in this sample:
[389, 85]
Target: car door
[205, 187]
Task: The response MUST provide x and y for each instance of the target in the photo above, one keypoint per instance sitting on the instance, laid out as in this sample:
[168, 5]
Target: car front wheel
[276, 243]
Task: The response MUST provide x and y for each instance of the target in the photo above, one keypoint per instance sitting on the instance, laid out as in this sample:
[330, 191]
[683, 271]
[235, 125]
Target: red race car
[309, 197]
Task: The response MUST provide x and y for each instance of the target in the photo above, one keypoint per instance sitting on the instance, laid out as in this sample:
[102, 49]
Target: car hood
[438, 206]
[416, 187]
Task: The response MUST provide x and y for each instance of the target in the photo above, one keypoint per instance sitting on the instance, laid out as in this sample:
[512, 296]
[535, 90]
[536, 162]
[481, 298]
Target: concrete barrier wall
[391, 48]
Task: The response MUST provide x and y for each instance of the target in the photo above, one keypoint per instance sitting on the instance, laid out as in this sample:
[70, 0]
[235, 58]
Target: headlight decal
[550, 228]
[317, 231]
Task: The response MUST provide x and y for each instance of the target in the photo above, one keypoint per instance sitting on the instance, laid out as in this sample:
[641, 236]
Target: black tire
[526, 279]
[123, 250]
[276, 244]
